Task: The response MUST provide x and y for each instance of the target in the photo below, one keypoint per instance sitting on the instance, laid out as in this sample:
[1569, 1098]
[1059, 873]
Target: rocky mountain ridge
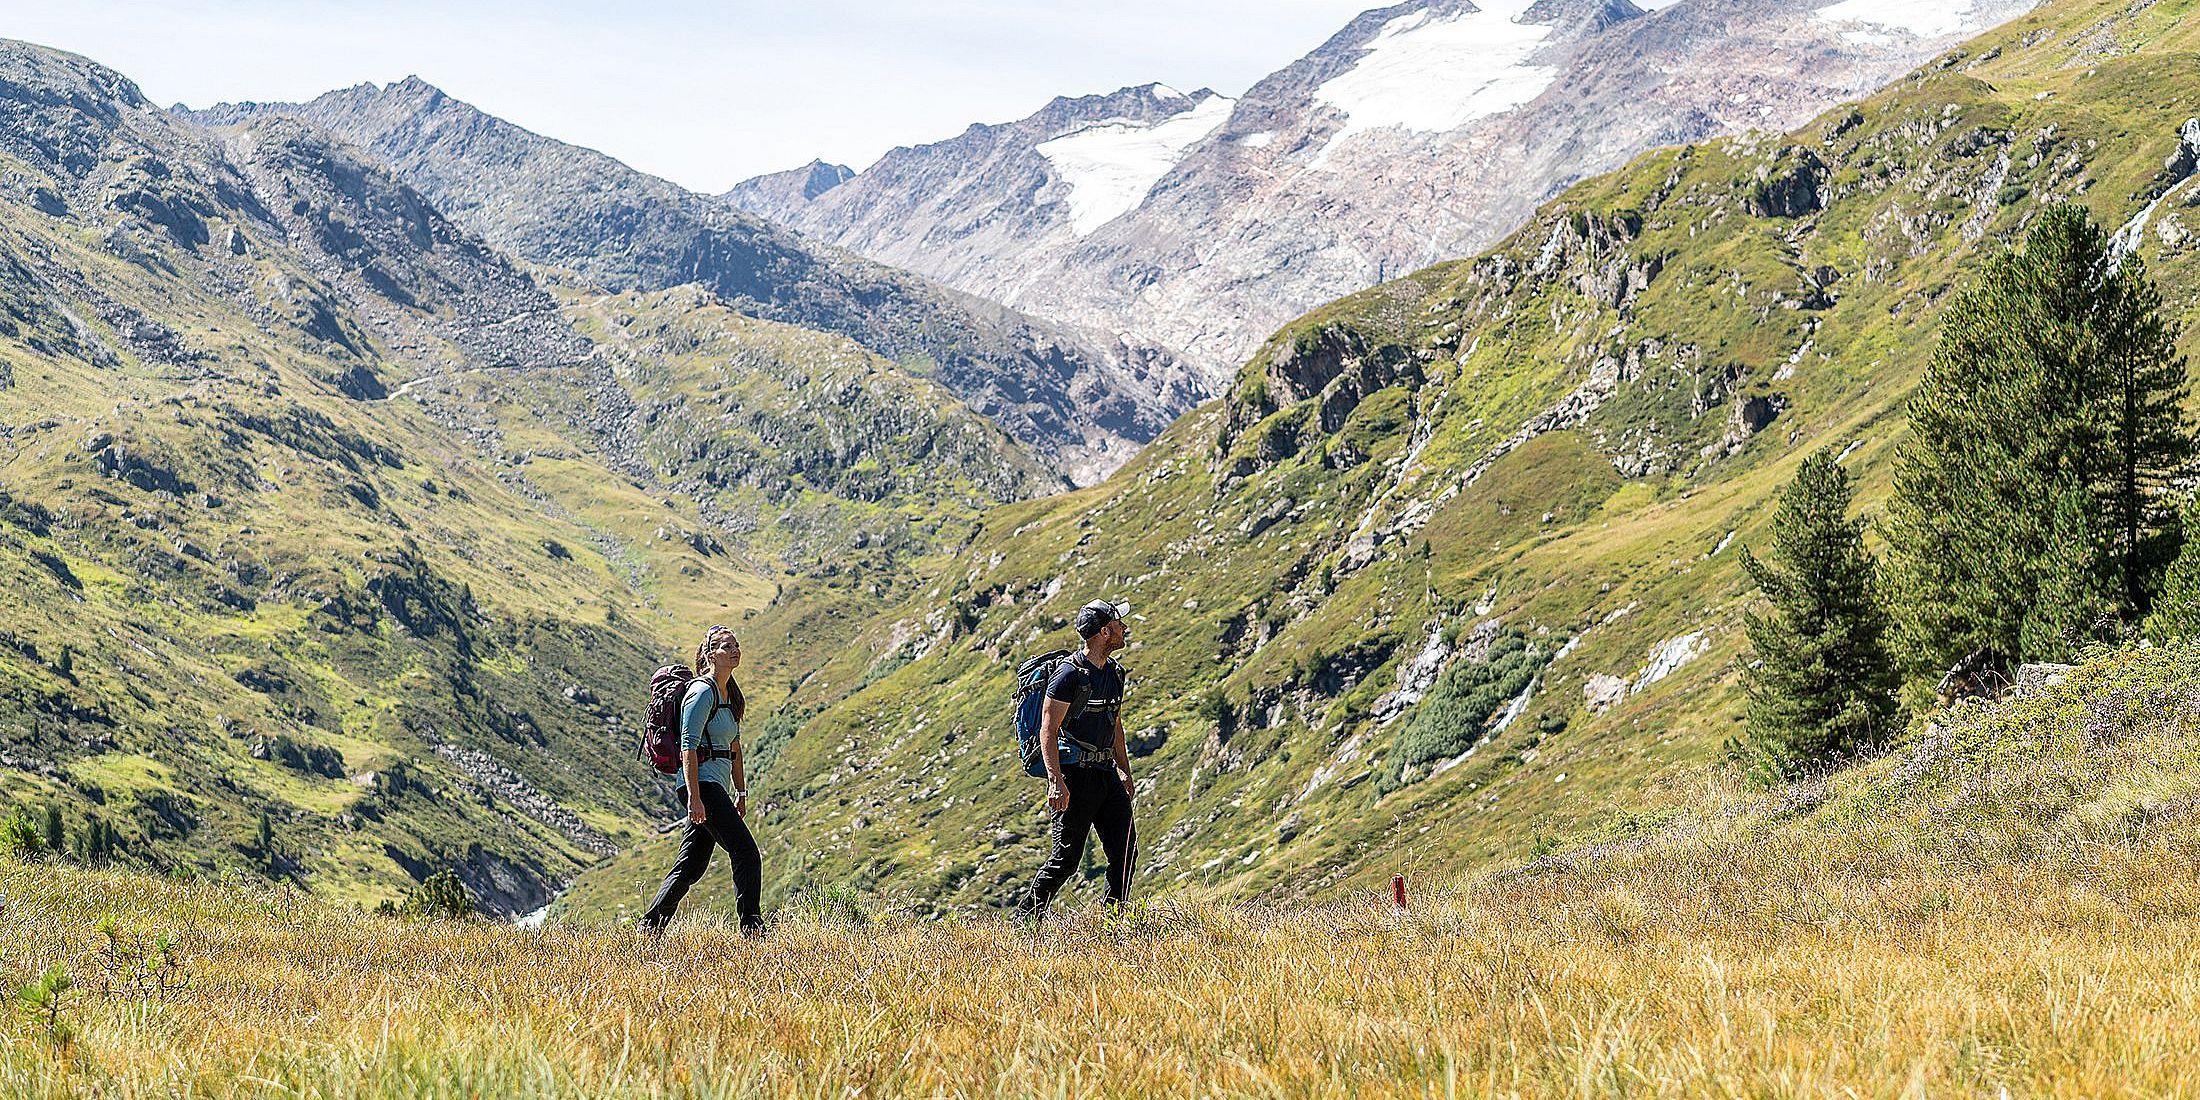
[1419, 132]
[999, 190]
[770, 196]
[1084, 404]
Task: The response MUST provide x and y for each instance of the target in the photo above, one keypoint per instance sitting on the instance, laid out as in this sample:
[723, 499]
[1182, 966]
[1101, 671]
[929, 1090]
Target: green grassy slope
[311, 503]
[1516, 482]
[2003, 906]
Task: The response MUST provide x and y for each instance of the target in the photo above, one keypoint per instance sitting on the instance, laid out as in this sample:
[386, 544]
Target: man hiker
[1088, 769]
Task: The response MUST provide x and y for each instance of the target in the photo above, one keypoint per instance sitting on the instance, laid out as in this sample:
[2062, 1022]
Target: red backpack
[661, 735]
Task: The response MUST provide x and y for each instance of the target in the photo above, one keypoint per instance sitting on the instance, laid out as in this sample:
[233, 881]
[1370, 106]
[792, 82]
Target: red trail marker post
[1398, 892]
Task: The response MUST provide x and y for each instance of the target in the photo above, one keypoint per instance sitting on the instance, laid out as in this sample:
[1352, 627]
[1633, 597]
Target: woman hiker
[715, 787]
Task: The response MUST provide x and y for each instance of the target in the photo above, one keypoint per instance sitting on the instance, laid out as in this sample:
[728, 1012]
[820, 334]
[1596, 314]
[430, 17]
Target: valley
[1513, 485]
[354, 488]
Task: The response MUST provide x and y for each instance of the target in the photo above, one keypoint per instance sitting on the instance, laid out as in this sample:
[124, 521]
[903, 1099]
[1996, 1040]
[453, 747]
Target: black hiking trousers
[721, 828]
[1097, 803]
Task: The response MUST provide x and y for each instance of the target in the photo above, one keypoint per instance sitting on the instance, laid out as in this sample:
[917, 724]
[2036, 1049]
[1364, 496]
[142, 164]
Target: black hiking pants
[721, 828]
[1097, 803]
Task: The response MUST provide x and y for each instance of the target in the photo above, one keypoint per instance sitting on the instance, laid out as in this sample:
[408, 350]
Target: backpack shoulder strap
[1077, 703]
[1083, 695]
[715, 703]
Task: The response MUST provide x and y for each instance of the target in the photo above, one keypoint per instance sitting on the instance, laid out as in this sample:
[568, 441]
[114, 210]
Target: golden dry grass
[2008, 905]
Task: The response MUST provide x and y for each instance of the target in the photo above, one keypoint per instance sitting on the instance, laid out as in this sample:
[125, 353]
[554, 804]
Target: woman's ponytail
[739, 702]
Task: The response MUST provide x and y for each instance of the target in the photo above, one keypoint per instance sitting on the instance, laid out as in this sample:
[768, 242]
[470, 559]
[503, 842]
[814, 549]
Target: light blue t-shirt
[725, 733]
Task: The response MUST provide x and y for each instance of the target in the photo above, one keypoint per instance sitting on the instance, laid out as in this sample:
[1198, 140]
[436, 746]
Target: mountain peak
[28, 64]
[822, 177]
[413, 88]
[1149, 96]
[774, 195]
[1168, 94]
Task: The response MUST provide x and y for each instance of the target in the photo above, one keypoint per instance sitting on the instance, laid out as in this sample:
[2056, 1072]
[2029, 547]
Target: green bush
[762, 741]
[20, 838]
[1213, 707]
[44, 1005]
[1458, 709]
[99, 843]
[441, 896]
[833, 906]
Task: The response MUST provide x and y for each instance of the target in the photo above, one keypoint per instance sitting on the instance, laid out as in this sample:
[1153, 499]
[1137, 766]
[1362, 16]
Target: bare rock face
[1419, 132]
[1603, 691]
[403, 258]
[780, 194]
[2187, 157]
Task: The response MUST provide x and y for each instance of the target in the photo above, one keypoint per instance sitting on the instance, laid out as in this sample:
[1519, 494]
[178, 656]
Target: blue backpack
[1032, 678]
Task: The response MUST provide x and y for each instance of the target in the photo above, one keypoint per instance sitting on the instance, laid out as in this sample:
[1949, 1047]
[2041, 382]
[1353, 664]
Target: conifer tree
[2078, 599]
[98, 843]
[56, 839]
[1822, 686]
[2177, 607]
[2030, 499]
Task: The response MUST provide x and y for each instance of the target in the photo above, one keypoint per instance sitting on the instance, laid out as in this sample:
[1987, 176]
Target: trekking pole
[1130, 858]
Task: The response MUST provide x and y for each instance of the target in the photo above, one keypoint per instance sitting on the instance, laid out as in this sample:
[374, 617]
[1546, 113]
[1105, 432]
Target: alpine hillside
[1419, 132]
[1082, 403]
[1451, 574]
[337, 548]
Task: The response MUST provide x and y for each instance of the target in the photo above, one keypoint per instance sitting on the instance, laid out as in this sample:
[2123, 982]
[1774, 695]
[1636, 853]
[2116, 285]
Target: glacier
[1111, 166]
[1435, 74]
[1918, 18]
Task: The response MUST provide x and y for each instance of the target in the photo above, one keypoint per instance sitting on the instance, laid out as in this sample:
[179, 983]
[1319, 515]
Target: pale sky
[705, 94]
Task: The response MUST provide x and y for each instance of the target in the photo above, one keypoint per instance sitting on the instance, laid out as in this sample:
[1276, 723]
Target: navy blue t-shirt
[1103, 690]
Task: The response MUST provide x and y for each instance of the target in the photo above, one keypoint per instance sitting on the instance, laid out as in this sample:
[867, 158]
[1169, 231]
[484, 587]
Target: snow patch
[2128, 239]
[1260, 140]
[1878, 21]
[1415, 677]
[1111, 166]
[1434, 74]
[1667, 658]
[1516, 708]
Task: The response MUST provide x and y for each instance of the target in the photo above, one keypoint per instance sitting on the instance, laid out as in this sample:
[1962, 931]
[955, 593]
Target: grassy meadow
[2005, 905]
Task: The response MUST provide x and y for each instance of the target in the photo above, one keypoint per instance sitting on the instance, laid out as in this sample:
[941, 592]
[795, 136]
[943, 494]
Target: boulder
[2186, 158]
[2039, 677]
[1603, 692]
